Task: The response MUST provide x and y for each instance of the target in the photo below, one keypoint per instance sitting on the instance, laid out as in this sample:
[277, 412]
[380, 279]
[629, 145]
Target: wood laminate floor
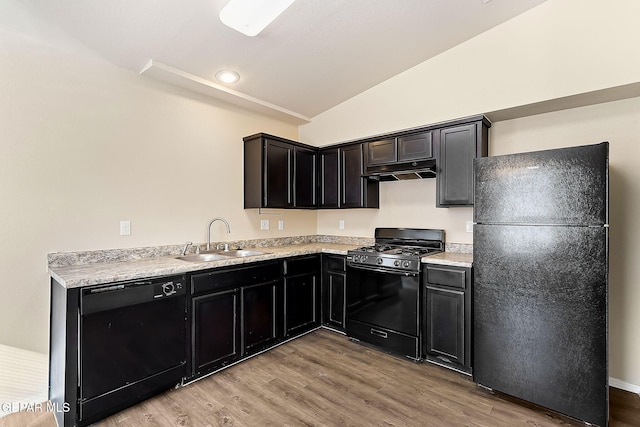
[323, 379]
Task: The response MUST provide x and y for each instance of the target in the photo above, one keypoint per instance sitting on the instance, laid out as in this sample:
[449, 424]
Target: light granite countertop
[97, 273]
[74, 276]
[450, 258]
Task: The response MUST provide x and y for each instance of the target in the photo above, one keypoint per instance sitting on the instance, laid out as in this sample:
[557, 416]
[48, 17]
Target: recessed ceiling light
[252, 16]
[227, 76]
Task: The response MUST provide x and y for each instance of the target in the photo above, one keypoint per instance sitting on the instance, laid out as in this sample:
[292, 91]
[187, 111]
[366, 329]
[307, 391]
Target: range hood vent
[422, 169]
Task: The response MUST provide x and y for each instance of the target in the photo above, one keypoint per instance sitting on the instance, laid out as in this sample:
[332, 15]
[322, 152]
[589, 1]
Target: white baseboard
[634, 388]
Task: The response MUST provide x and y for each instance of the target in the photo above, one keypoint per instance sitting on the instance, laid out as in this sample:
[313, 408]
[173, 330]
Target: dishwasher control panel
[167, 289]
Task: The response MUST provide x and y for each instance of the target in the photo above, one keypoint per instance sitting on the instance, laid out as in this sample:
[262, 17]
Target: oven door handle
[384, 270]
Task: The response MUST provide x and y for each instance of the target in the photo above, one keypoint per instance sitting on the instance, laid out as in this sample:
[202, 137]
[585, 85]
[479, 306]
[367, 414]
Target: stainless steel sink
[241, 253]
[220, 255]
[203, 257]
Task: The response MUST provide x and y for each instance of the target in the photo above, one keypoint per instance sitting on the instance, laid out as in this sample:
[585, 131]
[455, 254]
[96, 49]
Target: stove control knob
[406, 264]
[379, 261]
[397, 263]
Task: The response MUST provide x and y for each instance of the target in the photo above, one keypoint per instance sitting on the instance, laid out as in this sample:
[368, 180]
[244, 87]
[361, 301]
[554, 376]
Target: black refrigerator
[540, 259]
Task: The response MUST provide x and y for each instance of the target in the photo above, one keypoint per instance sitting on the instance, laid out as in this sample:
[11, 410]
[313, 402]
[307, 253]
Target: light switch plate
[469, 226]
[264, 224]
[280, 225]
[125, 228]
[341, 224]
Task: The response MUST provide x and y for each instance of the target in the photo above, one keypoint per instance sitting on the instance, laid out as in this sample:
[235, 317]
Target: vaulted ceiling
[317, 54]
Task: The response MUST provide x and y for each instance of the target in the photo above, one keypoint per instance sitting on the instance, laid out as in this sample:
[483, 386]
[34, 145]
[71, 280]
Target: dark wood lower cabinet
[259, 316]
[444, 333]
[241, 310]
[447, 316]
[234, 313]
[216, 336]
[301, 294]
[334, 281]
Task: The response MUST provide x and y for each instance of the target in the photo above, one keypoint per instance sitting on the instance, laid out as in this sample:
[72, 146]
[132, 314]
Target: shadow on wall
[619, 244]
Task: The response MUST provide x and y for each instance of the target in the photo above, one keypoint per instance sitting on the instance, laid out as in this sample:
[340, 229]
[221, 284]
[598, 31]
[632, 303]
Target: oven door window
[387, 300]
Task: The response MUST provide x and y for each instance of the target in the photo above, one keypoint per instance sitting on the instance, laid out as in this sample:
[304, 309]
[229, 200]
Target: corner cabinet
[334, 281]
[301, 294]
[342, 180]
[456, 148]
[279, 173]
[447, 316]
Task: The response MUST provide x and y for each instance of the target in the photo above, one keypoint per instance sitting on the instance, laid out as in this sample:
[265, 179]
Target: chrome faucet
[186, 247]
[209, 230]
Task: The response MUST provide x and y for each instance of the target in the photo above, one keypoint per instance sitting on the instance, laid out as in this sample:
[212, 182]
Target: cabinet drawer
[447, 277]
[225, 279]
[335, 262]
[301, 265]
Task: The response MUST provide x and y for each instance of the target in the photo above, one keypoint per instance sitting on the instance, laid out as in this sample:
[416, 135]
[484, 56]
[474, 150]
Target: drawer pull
[381, 334]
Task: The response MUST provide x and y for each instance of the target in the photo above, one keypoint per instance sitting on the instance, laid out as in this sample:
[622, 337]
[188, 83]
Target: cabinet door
[301, 304]
[455, 166]
[382, 152]
[304, 178]
[352, 181]
[259, 316]
[329, 178]
[334, 288]
[415, 147]
[278, 158]
[444, 324]
[215, 331]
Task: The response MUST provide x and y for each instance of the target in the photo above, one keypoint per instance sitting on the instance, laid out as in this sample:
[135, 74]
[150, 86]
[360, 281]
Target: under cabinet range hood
[403, 171]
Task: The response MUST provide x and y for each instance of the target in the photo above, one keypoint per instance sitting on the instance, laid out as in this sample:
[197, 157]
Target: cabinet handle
[381, 334]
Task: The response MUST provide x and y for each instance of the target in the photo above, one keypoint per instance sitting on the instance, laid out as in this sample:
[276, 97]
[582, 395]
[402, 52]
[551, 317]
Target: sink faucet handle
[185, 248]
[197, 249]
[222, 246]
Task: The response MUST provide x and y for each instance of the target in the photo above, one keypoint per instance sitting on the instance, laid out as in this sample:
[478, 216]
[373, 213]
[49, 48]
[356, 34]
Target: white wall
[85, 144]
[560, 48]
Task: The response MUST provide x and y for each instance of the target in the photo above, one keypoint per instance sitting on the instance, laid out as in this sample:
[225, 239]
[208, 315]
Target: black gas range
[398, 249]
[384, 295]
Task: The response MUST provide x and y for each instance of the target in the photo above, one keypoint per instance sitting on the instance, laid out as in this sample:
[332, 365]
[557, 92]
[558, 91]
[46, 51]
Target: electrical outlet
[280, 225]
[341, 224]
[264, 224]
[125, 228]
[469, 226]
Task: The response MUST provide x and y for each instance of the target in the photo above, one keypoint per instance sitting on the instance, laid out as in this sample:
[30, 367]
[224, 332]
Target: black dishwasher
[132, 343]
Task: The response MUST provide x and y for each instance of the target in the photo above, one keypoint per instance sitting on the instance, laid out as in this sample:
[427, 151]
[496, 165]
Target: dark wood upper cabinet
[401, 152]
[357, 191]
[329, 178]
[279, 173]
[304, 177]
[415, 146]
[342, 184]
[457, 147]
[382, 152]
